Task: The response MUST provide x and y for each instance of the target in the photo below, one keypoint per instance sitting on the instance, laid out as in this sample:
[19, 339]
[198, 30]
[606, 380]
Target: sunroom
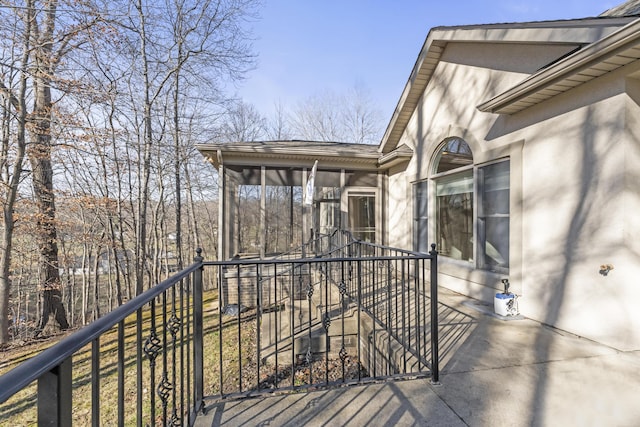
[262, 185]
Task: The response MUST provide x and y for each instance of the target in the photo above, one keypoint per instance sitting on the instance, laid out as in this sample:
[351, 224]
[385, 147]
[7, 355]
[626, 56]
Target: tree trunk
[42, 177]
[51, 286]
[95, 312]
[13, 179]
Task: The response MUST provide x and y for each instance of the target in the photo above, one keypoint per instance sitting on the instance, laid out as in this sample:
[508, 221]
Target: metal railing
[355, 311]
[153, 345]
[351, 312]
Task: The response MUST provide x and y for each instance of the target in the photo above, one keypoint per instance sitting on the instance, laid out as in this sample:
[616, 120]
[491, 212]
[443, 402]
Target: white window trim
[476, 264]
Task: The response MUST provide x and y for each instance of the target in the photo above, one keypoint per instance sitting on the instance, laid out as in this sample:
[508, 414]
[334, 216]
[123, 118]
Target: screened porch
[262, 208]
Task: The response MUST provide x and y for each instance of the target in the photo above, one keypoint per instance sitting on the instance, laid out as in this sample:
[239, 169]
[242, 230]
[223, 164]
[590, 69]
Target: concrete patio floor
[494, 372]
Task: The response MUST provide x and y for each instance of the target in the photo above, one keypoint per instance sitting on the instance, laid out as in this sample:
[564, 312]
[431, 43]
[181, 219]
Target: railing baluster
[389, 321]
[198, 346]
[358, 319]
[423, 293]
[373, 264]
[343, 290]
[95, 382]
[175, 325]
[259, 308]
[326, 322]
[388, 286]
[54, 396]
[416, 296]
[183, 406]
[164, 388]
[277, 322]
[308, 357]
[139, 367]
[403, 291]
[151, 348]
[190, 348]
[220, 341]
[239, 325]
[292, 320]
[121, 368]
[435, 368]
[399, 316]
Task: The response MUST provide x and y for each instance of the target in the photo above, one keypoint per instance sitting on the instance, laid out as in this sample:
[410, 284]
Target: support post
[198, 348]
[54, 396]
[435, 368]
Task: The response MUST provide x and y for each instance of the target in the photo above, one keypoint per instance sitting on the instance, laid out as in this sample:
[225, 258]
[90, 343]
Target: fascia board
[578, 31]
[596, 52]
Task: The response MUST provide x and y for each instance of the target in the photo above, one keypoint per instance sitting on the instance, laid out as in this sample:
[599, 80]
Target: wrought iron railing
[354, 312]
[351, 312]
[153, 373]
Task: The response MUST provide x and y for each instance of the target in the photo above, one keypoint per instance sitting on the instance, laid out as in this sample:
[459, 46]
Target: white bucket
[505, 304]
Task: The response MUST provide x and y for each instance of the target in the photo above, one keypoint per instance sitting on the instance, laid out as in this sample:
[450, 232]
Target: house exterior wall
[573, 188]
[399, 211]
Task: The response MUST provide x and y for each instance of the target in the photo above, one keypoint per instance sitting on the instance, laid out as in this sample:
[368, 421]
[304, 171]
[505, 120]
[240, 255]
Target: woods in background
[101, 103]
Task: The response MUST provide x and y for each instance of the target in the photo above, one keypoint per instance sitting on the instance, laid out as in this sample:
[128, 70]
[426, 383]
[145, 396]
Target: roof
[602, 44]
[336, 155]
[577, 32]
[629, 8]
[604, 56]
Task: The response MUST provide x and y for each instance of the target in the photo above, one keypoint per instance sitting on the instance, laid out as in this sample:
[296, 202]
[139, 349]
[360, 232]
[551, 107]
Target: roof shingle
[629, 8]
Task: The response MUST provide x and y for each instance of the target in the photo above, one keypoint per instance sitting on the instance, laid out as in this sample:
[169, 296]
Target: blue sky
[306, 47]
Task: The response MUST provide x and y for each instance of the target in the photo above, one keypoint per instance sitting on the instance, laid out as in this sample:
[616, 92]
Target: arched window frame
[476, 199]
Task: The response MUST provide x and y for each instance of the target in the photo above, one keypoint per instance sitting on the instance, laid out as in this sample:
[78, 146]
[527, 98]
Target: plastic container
[505, 304]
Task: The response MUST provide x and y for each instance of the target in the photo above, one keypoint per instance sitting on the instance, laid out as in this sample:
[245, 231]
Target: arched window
[470, 206]
[452, 154]
[454, 199]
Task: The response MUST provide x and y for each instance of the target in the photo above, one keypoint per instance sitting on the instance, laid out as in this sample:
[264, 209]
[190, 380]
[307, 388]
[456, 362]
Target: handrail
[395, 316]
[27, 372]
[389, 287]
[32, 369]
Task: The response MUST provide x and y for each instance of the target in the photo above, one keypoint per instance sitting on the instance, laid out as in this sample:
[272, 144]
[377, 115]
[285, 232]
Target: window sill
[467, 271]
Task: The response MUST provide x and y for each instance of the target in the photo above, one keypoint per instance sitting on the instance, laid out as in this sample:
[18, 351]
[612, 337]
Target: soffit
[578, 31]
[604, 56]
[334, 155]
[291, 153]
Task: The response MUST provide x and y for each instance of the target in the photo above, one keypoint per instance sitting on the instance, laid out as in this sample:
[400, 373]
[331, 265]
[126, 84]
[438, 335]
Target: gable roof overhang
[333, 155]
[578, 32]
[606, 55]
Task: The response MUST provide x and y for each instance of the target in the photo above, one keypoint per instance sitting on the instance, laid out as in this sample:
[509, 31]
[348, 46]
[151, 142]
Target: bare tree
[326, 116]
[111, 119]
[243, 122]
[318, 118]
[12, 149]
[278, 127]
[47, 55]
[361, 121]
[46, 45]
[208, 36]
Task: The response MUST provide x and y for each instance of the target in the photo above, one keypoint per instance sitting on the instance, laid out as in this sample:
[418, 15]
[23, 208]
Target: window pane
[454, 210]
[496, 245]
[453, 154]
[328, 210]
[420, 217]
[362, 217]
[496, 189]
[493, 216]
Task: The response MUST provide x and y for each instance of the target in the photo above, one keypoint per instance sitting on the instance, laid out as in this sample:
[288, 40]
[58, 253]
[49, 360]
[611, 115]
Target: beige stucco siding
[573, 220]
[632, 168]
[574, 189]
[399, 211]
